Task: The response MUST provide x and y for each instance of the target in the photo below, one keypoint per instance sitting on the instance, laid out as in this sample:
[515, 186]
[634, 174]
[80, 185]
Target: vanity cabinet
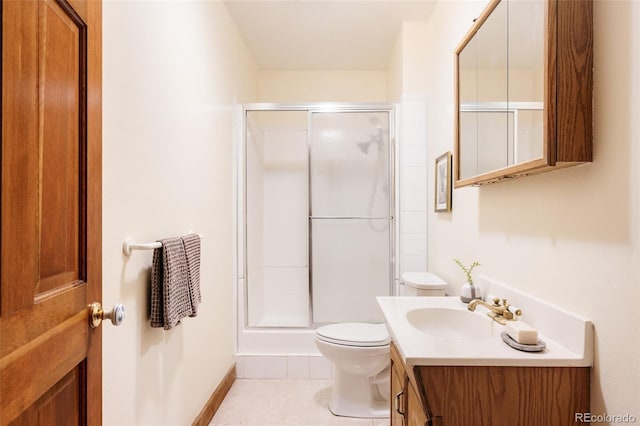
[487, 395]
[524, 90]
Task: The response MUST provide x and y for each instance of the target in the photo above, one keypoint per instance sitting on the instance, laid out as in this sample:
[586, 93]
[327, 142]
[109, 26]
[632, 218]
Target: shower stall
[315, 221]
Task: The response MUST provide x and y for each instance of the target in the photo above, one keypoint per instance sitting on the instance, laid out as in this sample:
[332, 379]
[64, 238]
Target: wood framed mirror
[524, 84]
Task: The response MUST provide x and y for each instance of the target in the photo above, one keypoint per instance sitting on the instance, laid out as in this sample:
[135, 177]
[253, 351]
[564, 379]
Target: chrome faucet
[500, 313]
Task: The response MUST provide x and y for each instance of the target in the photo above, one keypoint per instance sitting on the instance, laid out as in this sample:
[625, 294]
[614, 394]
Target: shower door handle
[352, 217]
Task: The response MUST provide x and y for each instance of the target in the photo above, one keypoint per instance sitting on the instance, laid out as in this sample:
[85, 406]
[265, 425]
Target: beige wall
[172, 71]
[414, 57]
[408, 62]
[571, 236]
[394, 70]
[287, 86]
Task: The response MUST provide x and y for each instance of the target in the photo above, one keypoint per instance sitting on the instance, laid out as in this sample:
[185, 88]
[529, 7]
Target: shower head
[377, 139]
[364, 146]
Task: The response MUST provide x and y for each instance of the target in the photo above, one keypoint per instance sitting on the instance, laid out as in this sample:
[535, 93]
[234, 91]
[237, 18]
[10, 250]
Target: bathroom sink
[441, 331]
[451, 323]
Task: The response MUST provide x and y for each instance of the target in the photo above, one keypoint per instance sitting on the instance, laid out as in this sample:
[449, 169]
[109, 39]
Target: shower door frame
[310, 108]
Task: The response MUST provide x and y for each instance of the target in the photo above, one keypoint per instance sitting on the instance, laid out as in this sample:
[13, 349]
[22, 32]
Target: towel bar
[129, 245]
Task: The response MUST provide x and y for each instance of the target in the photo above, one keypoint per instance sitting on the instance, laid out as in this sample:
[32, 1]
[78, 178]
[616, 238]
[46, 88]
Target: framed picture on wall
[443, 183]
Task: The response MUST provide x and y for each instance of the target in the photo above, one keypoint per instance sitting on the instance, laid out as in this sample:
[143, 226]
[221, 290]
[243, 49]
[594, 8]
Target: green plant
[468, 270]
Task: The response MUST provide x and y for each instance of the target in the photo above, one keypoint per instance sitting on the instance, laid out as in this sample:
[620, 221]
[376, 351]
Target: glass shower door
[350, 214]
[277, 275]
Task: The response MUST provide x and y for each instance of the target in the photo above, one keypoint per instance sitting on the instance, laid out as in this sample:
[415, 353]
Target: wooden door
[50, 359]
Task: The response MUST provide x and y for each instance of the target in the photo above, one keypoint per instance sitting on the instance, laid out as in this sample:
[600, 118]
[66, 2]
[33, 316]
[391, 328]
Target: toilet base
[380, 410]
[357, 396]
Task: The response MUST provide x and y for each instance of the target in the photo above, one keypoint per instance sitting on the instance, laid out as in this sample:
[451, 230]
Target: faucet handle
[496, 301]
[510, 312]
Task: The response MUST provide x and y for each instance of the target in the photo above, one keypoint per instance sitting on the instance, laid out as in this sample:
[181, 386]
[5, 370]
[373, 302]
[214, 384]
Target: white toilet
[360, 356]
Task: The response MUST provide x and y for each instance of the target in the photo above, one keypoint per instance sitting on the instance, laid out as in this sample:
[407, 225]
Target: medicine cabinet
[524, 88]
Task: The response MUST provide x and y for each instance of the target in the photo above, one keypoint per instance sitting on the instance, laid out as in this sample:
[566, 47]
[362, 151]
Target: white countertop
[420, 348]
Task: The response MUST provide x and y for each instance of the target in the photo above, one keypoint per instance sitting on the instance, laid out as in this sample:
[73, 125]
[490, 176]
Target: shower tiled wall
[283, 367]
[412, 183]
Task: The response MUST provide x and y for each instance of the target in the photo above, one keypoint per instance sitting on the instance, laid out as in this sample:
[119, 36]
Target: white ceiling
[324, 34]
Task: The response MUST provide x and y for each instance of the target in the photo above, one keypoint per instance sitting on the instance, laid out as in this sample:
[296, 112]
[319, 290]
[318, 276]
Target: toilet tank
[422, 284]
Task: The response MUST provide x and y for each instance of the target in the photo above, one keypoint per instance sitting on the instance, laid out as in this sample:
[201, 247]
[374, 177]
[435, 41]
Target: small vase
[468, 292]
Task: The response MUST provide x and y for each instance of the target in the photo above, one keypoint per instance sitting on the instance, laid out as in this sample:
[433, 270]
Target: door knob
[96, 314]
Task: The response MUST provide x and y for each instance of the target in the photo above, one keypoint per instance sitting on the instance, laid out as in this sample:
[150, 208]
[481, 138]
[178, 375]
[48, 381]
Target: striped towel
[171, 294]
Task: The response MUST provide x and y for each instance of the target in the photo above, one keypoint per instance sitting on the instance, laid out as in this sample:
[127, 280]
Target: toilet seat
[355, 334]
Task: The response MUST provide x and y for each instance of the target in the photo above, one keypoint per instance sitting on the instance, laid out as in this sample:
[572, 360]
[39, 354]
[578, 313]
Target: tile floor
[282, 402]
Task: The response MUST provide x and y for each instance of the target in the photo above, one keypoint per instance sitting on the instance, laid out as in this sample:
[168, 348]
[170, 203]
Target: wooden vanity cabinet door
[399, 382]
[415, 412]
[495, 395]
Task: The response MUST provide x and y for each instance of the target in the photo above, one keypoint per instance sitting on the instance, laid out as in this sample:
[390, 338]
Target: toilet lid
[424, 280]
[355, 334]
